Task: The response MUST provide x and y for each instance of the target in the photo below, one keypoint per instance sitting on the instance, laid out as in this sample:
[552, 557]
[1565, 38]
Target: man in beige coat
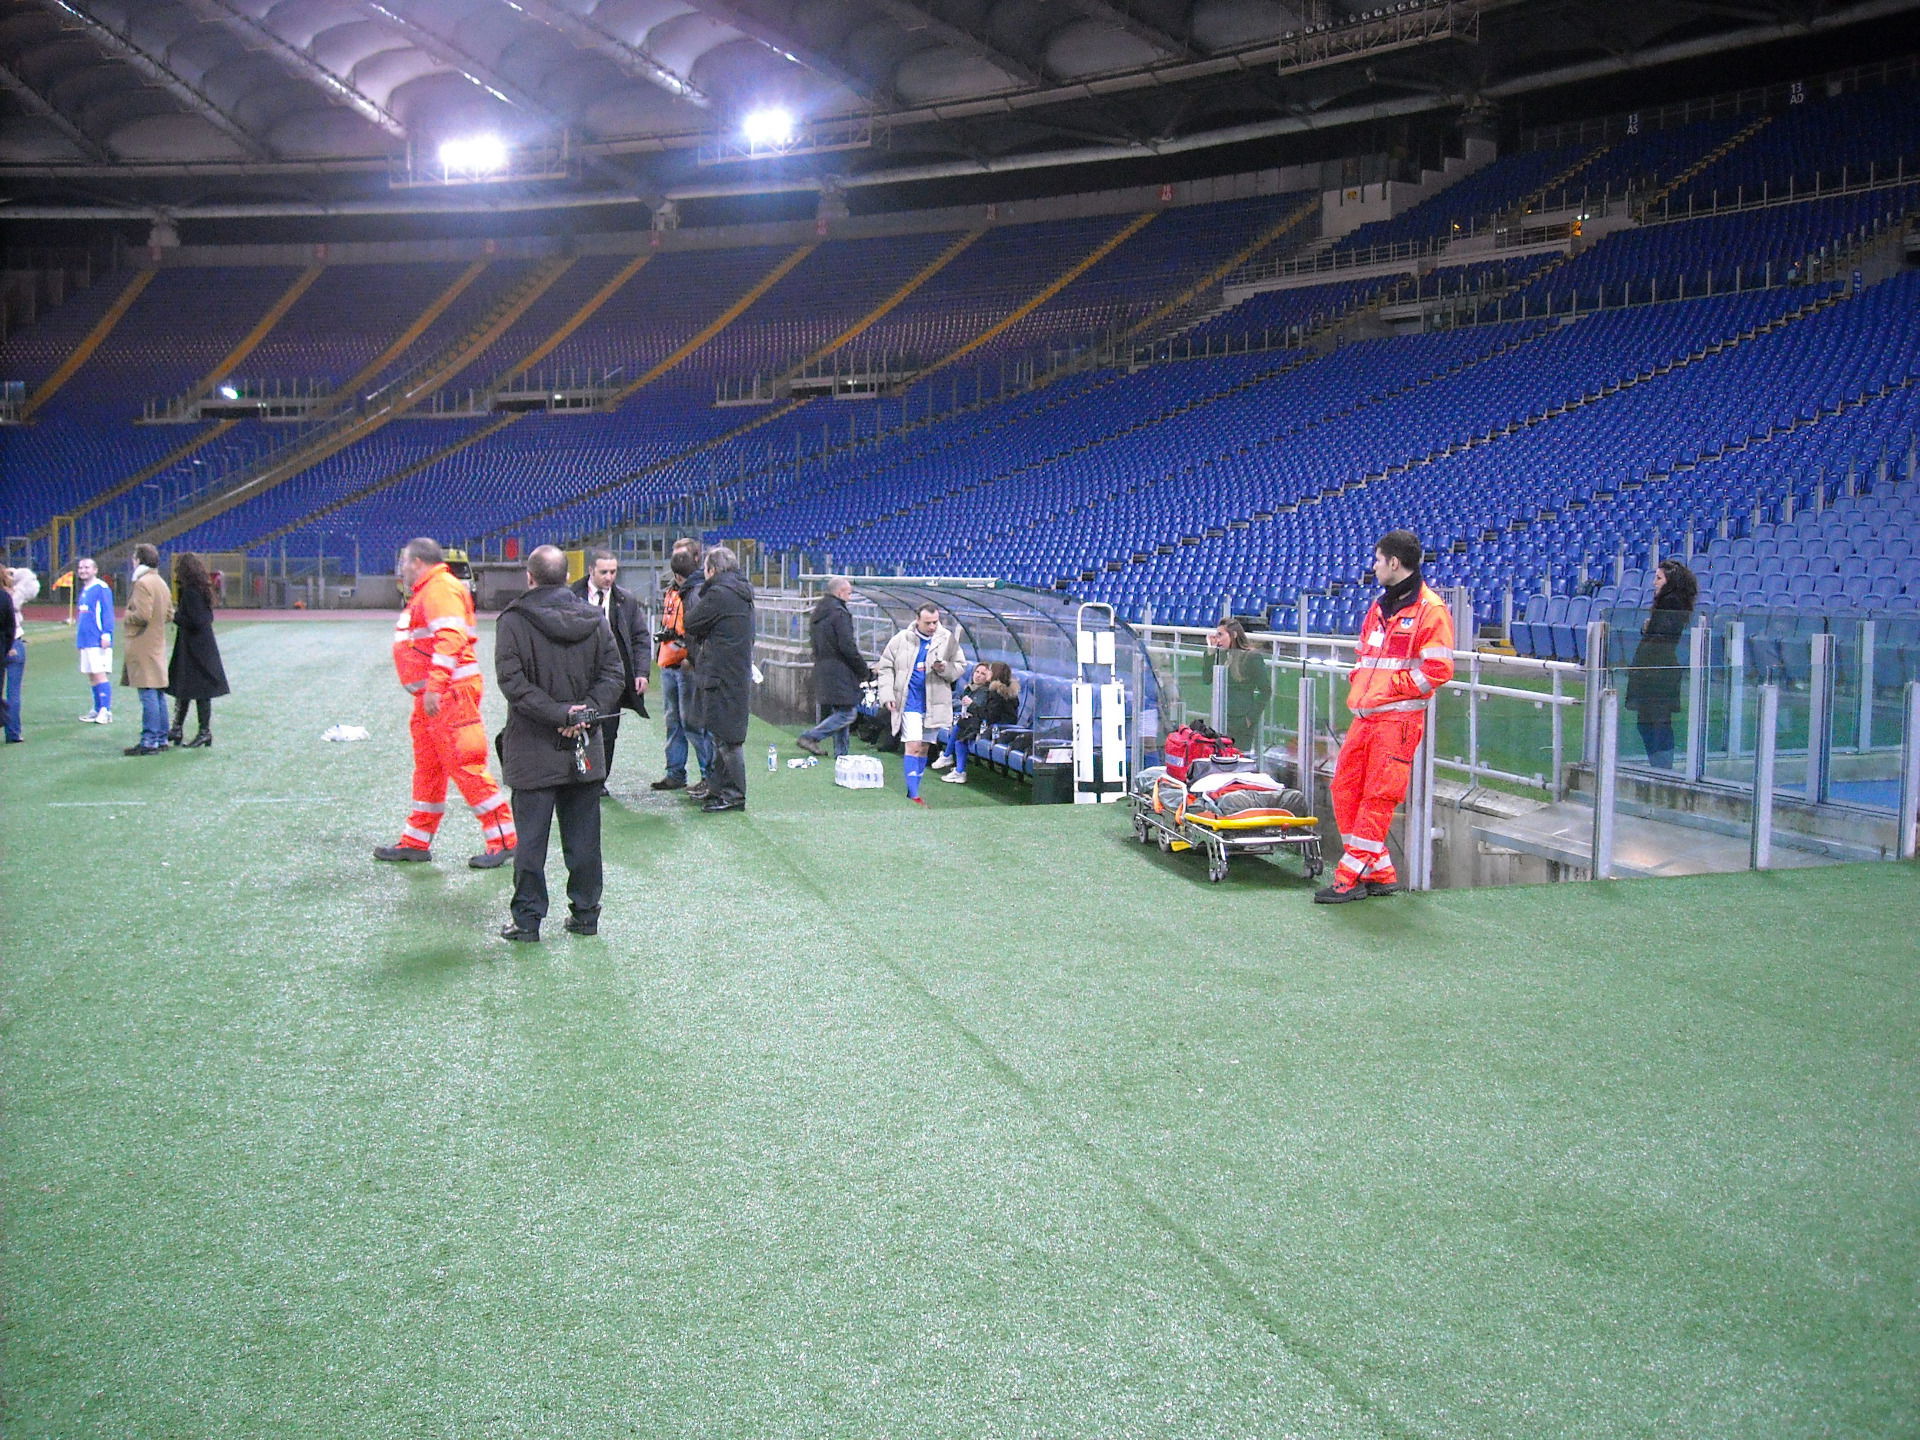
[149, 607]
[916, 674]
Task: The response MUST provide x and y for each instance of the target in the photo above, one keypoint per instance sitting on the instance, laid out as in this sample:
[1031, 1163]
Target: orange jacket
[1402, 661]
[433, 640]
[673, 616]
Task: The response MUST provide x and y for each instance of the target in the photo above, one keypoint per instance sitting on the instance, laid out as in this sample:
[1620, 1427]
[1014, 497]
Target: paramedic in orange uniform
[433, 651]
[1405, 655]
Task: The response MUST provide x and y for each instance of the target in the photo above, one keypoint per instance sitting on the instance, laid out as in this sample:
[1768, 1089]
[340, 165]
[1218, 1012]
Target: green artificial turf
[860, 1120]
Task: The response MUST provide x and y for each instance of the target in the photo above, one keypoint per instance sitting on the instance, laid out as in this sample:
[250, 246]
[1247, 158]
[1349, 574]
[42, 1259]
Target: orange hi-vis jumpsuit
[433, 651]
[1401, 662]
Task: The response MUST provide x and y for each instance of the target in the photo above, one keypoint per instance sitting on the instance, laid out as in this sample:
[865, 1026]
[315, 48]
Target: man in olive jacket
[839, 669]
[557, 666]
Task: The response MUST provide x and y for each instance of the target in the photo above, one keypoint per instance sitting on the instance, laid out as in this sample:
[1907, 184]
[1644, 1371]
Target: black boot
[173, 732]
[202, 740]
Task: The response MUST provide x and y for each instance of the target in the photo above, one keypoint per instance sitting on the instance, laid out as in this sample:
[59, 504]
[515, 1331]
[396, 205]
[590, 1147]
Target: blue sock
[959, 757]
[915, 766]
[103, 695]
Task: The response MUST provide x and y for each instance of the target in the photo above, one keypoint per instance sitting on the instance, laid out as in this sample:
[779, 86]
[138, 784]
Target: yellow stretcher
[1223, 815]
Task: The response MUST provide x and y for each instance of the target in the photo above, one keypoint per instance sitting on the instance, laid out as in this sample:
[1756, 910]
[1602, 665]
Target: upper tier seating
[1529, 453]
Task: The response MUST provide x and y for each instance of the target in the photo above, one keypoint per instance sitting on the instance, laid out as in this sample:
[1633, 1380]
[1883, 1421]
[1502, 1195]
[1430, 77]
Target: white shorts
[96, 660]
[912, 727]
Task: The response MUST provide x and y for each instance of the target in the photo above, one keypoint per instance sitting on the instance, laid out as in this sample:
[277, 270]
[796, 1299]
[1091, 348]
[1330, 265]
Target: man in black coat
[839, 669]
[600, 588]
[720, 635]
[557, 666]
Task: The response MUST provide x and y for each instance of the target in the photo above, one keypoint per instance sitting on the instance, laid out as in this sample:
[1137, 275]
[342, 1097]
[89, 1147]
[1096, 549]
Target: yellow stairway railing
[388, 481]
[412, 333]
[726, 317]
[885, 307]
[1072, 273]
[1226, 267]
[573, 322]
[237, 356]
[83, 352]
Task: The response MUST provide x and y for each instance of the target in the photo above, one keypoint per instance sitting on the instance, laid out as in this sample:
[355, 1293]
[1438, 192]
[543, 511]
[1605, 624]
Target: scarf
[1396, 598]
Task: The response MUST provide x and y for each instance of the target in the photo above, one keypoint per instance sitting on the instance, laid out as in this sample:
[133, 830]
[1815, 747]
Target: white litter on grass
[346, 732]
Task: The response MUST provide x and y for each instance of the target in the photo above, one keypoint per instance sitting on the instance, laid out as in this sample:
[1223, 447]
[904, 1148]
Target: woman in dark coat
[720, 642]
[1653, 682]
[196, 673]
[1249, 685]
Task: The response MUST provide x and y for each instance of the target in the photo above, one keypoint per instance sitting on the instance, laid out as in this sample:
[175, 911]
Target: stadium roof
[185, 107]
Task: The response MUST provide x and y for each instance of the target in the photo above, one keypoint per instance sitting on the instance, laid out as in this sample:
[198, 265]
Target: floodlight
[769, 128]
[229, 392]
[474, 154]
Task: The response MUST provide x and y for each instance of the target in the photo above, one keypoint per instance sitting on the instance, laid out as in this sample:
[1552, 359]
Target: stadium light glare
[768, 128]
[229, 392]
[474, 155]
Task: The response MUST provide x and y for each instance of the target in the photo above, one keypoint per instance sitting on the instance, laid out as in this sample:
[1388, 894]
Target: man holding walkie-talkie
[558, 667]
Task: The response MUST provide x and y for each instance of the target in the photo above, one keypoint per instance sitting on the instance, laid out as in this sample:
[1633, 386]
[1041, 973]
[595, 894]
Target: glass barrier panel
[1872, 658]
[1648, 654]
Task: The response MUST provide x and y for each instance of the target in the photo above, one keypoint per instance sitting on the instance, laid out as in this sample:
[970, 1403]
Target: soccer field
[859, 1120]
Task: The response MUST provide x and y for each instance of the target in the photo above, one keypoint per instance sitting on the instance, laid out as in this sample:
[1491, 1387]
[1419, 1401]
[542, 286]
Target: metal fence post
[1766, 737]
[1696, 765]
[1819, 718]
[1606, 778]
[1304, 778]
[1460, 602]
[1910, 774]
[1419, 829]
[1868, 638]
[1736, 683]
[1557, 727]
[1596, 682]
[1217, 706]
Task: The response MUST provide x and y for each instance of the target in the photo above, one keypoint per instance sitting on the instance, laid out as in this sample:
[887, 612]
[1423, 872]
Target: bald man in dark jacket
[558, 666]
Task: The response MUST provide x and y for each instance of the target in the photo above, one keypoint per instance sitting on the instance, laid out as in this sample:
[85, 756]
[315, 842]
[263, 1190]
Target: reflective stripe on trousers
[452, 747]
[1369, 782]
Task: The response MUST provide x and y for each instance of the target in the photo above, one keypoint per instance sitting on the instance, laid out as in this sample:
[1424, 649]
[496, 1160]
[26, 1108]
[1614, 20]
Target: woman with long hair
[1249, 685]
[196, 673]
[1653, 681]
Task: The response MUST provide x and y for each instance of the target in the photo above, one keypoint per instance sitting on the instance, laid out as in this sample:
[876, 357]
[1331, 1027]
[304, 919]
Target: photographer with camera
[562, 675]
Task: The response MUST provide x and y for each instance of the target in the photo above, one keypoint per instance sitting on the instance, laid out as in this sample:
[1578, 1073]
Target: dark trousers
[1656, 738]
[533, 811]
[727, 780]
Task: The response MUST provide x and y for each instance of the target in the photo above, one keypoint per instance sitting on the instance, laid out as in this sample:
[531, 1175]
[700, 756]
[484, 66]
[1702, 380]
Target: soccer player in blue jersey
[93, 634]
[917, 671]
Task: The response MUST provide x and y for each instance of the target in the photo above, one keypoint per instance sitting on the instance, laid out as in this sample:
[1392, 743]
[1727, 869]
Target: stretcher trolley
[1222, 814]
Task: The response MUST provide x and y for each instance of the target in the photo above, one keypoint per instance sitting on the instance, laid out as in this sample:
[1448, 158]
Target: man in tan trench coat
[149, 607]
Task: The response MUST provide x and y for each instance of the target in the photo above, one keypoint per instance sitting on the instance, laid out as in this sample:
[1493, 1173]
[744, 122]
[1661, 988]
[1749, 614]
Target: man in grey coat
[558, 668]
[720, 637]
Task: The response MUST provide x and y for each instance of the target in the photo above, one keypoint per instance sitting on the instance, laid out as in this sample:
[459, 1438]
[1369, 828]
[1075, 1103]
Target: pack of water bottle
[859, 772]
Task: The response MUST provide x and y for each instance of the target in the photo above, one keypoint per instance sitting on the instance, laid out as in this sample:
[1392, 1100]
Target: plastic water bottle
[773, 757]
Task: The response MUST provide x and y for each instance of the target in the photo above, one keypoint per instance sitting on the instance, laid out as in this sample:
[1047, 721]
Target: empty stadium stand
[1677, 378]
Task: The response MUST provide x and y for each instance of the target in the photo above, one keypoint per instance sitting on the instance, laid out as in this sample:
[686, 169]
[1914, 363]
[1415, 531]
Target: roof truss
[299, 62]
[157, 70]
